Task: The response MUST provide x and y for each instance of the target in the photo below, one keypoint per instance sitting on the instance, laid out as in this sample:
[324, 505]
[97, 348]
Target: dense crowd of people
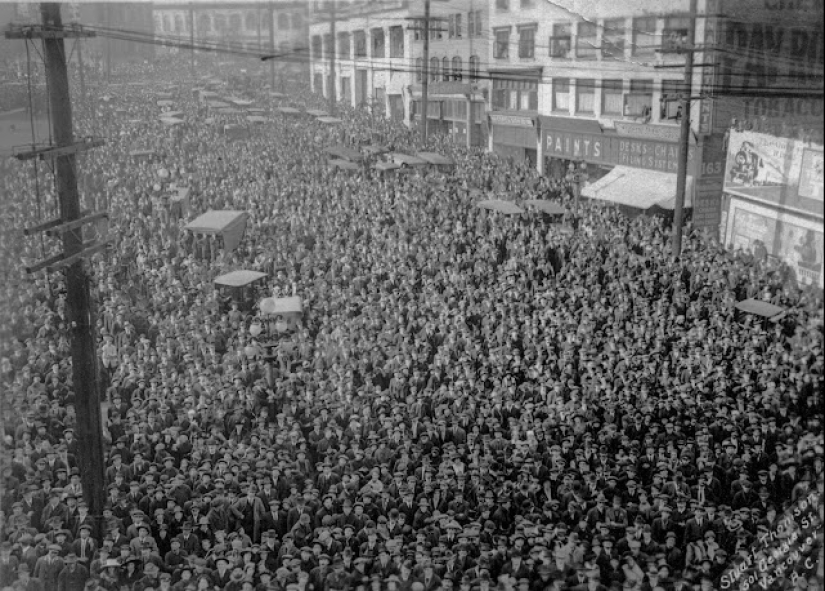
[471, 400]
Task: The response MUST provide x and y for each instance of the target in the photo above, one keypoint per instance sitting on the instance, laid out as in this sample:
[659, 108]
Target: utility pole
[108, 44]
[332, 51]
[192, 39]
[684, 138]
[69, 225]
[82, 74]
[425, 81]
[272, 45]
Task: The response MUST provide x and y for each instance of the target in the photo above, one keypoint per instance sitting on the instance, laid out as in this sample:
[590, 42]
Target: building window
[612, 97]
[515, 95]
[445, 69]
[638, 101]
[297, 21]
[377, 42]
[502, 46]
[344, 44]
[560, 42]
[418, 30]
[502, 4]
[644, 35]
[317, 47]
[451, 26]
[251, 21]
[457, 67]
[474, 24]
[283, 21]
[675, 35]
[585, 96]
[434, 69]
[419, 69]
[671, 101]
[474, 67]
[457, 19]
[561, 94]
[527, 42]
[360, 38]
[396, 41]
[586, 41]
[613, 39]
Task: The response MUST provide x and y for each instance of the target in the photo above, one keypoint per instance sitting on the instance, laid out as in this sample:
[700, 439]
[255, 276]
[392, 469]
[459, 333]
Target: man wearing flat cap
[48, 567]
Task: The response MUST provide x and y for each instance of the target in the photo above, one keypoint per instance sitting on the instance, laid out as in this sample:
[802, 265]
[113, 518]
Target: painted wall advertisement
[766, 232]
[775, 170]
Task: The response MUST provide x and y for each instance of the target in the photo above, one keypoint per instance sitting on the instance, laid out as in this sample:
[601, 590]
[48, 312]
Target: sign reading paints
[613, 149]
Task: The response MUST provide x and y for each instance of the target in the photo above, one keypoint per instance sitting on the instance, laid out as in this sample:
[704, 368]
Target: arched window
[204, 24]
[179, 26]
[445, 69]
[419, 69]
[474, 64]
[297, 21]
[220, 23]
[235, 22]
[167, 23]
[251, 21]
[283, 21]
[457, 66]
[434, 69]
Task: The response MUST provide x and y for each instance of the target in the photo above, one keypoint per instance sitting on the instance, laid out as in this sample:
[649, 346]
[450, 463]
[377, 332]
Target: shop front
[514, 136]
[616, 160]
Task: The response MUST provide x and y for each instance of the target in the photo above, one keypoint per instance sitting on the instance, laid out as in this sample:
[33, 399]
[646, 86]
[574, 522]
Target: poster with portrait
[764, 232]
[767, 168]
[811, 177]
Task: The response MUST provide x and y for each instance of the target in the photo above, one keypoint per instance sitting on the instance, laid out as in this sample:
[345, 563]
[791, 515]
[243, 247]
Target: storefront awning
[637, 188]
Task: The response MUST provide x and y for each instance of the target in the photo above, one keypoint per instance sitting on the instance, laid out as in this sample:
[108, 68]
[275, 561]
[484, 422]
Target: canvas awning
[374, 150]
[165, 103]
[344, 153]
[435, 158]
[637, 188]
[277, 95]
[545, 206]
[239, 278]
[289, 110]
[228, 223]
[761, 308]
[142, 153]
[329, 120]
[317, 113]
[172, 121]
[256, 119]
[505, 207]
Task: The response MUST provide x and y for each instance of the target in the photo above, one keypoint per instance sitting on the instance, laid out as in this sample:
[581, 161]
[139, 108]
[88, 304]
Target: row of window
[592, 40]
[234, 23]
[355, 44]
[446, 70]
[634, 99]
[455, 27]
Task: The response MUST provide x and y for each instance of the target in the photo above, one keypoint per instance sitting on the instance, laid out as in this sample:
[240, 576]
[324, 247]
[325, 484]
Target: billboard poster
[768, 168]
[811, 179]
[766, 232]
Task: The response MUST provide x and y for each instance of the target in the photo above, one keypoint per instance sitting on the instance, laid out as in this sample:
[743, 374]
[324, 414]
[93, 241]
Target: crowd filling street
[471, 401]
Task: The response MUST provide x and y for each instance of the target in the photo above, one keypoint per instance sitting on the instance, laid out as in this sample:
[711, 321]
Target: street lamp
[577, 175]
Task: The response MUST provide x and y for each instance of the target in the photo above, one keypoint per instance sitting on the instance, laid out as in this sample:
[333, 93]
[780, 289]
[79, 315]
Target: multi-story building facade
[457, 69]
[379, 49]
[242, 26]
[596, 83]
[372, 47]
